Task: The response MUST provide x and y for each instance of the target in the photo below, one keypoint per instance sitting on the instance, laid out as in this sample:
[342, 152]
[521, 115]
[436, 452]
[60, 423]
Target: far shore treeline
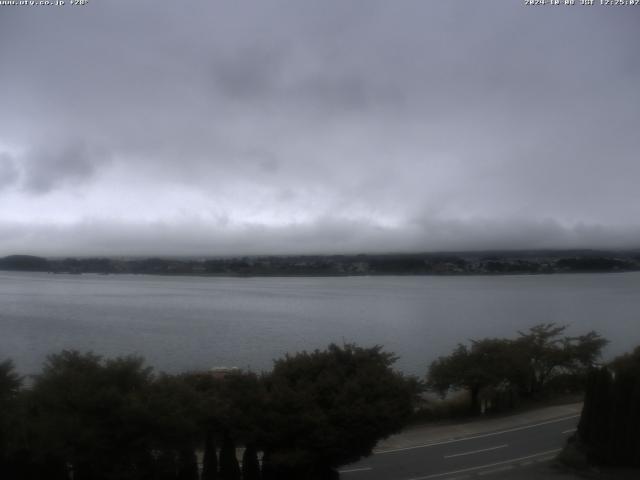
[454, 263]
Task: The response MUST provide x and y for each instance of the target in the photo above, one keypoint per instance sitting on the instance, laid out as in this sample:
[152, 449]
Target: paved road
[478, 456]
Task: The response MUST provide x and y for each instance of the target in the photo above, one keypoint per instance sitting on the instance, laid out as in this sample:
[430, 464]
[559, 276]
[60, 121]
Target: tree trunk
[210, 459]
[187, 465]
[229, 468]
[250, 464]
[267, 471]
[167, 468]
[475, 399]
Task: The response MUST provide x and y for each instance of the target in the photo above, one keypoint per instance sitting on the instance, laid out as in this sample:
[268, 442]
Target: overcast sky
[237, 127]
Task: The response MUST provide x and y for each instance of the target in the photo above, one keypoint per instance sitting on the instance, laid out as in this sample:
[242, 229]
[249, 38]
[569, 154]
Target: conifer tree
[250, 464]
[167, 467]
[229, 468]
[608, 427]
[210, 459]
[187, 464]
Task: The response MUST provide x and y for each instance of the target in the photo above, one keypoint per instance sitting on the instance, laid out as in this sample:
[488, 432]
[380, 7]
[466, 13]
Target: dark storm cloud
[263, 76]
[319, 126]
[8, 171]
[54, 166]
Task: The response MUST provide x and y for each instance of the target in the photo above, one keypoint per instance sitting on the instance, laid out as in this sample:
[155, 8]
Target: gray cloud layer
[287, 126]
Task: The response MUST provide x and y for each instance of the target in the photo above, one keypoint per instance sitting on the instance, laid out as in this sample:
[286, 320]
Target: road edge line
[489, 465]
[473, 437]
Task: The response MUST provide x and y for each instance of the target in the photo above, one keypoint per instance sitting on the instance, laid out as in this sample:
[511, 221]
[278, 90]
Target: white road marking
[489, 465]
[351, 470]
[473, 437]
[476, 451]
[571, 430]
[545, 459]
[496, 470]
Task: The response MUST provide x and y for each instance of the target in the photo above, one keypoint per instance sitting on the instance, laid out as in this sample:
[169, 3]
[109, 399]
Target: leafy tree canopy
[524, 364]
[10, 381]
[328, 408]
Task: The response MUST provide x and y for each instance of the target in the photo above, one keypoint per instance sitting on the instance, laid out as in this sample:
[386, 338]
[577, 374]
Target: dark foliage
[92, 414]
[187, 465]
[250, 464]
[10, 381]
[608, 427]
[26, 263]
[90, 418]
[210, 458]
[328, 408]
[10, 427]
[498, 371]
[500, 262]
[229, 467]
[595, 264]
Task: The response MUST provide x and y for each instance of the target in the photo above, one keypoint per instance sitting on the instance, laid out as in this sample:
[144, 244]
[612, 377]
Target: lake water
[180, 323]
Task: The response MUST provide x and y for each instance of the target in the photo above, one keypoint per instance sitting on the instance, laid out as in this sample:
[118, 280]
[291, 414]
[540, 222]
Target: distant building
[222, 372]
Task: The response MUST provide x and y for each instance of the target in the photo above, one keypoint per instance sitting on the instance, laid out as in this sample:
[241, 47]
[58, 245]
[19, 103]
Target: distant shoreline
[417, 264]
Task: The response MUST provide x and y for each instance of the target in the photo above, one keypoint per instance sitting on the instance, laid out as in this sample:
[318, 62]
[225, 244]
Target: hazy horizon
[436, 253]
[288, 127]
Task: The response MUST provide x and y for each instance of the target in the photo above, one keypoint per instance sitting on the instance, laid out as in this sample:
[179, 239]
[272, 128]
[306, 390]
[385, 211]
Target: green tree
[585, 350]
[175, 409]
[187, 464]
[10, 418]
[328, 408]
[250, 463]
[595, 422]
[608, 428]
[210, 458]
[522, 366]
[229, 467]
[10, 381]
[231, 411]
[91, 414]
[544, 351]
[490, 362]
[548, 353]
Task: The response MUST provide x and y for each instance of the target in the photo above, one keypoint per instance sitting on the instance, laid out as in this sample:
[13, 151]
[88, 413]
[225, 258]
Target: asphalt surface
[482, 455]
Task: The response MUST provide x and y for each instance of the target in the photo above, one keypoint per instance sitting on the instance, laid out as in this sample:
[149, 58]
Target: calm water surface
[180, 323]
